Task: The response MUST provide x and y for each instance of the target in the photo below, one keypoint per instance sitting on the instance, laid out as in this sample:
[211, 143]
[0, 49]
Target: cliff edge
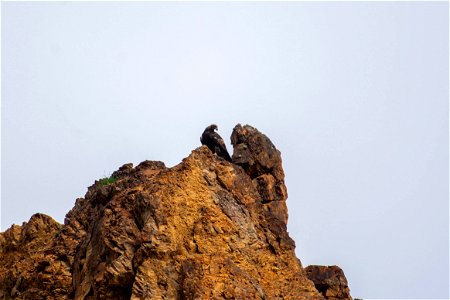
[203, 229]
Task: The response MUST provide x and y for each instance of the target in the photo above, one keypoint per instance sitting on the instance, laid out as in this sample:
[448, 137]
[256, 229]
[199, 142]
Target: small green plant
[107, 180]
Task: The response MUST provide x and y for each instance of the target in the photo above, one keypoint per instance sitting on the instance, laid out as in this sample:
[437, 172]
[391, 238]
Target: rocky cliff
[203, 229]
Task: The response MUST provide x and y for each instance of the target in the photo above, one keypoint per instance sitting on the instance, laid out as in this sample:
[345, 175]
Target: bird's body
[214, 142]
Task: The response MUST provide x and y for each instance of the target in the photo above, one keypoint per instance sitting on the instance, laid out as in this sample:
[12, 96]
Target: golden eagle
[214, 142]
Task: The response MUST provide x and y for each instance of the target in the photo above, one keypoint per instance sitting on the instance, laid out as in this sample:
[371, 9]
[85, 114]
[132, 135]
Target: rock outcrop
[330, 281]
[204, 229]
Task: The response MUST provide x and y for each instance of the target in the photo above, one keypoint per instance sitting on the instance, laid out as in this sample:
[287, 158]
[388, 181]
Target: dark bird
[214, 142]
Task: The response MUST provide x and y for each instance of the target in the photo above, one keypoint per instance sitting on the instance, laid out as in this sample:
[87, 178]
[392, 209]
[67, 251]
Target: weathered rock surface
[330, 281]
[29, 265]
[204, 229]
[254, 152]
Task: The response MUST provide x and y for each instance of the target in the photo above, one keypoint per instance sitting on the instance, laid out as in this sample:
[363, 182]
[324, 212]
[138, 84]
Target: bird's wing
[218, 140]
[222, 147]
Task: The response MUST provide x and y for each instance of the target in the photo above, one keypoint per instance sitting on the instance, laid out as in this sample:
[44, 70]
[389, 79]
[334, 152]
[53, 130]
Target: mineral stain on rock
[203, 229]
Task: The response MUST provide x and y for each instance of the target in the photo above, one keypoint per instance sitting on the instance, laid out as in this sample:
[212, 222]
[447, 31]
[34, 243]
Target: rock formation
[330, 281]
[204, 229]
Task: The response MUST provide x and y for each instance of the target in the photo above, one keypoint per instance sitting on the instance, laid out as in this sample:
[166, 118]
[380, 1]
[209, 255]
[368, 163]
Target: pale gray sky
[354, 94]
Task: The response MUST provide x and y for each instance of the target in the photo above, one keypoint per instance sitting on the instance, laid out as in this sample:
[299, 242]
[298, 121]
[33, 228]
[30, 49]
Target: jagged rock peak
[261, 160]
[203, 229]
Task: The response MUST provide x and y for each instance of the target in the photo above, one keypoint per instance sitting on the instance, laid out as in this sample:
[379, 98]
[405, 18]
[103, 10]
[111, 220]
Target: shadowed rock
[330, 281]
[261, 160]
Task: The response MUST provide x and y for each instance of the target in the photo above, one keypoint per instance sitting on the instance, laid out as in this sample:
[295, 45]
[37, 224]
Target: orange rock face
[204, 229]
[29, 266]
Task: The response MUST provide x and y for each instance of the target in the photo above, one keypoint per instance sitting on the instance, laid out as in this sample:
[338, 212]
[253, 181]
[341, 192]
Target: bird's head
[212, 127]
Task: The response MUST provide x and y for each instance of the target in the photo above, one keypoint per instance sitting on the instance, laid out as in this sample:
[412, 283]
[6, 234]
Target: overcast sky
[353, 94]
